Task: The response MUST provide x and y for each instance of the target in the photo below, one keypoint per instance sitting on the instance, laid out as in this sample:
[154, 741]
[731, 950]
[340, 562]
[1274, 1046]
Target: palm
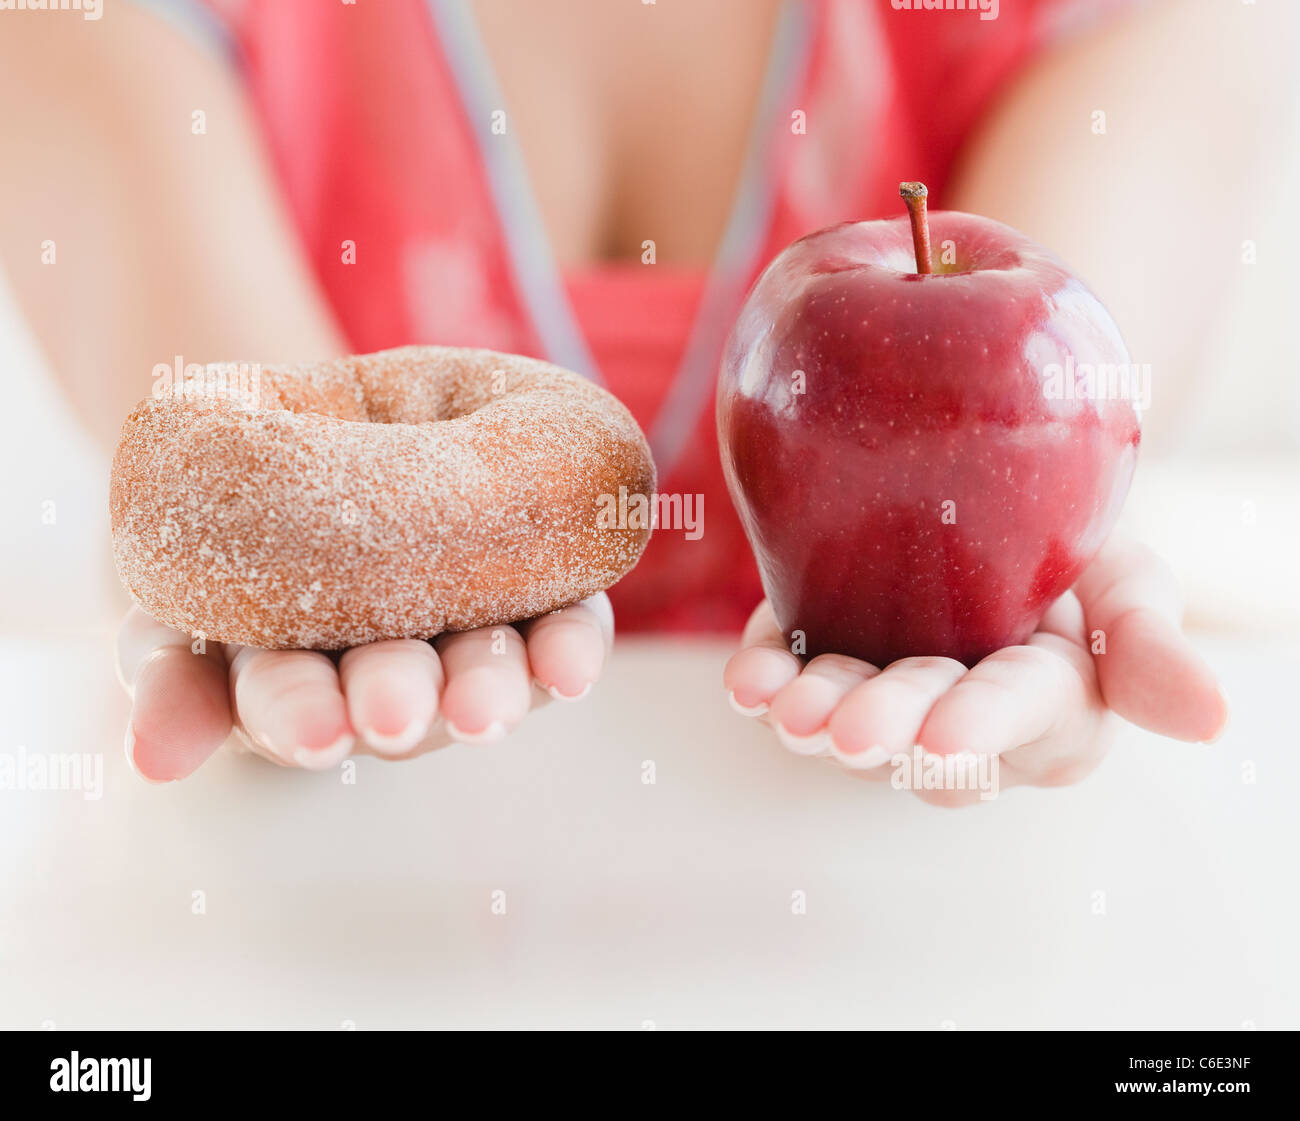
[1044, 707]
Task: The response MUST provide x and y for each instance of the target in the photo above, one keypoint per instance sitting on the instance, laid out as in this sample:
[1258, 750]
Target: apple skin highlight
[907, 485]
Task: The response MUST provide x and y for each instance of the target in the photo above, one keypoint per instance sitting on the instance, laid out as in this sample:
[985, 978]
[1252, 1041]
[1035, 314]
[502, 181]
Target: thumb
[1149, 672]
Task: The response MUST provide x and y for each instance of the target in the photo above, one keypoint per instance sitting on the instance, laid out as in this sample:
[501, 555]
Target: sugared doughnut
[394, 495]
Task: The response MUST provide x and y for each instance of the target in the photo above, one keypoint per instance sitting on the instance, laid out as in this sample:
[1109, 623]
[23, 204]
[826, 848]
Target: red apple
[913, 471]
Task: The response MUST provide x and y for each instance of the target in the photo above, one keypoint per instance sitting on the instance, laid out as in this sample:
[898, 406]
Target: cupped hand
[396, 699]
[1112, 645]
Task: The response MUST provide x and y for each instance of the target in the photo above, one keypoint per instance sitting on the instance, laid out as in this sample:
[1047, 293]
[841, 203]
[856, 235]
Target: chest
[632, 119]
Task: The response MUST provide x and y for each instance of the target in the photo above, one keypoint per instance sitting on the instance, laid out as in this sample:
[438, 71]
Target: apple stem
[914, 195]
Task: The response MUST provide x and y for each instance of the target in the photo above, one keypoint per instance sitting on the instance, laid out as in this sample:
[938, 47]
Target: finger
[391, 689]
[1069, 755]
[489, 684]
[883, 715]
[290, 704]
[1013, 697]
[763, 666]
[180, 712]
[969, 780]
[1150, 674]
[567, 648]
[801, 709]
[1065, 620]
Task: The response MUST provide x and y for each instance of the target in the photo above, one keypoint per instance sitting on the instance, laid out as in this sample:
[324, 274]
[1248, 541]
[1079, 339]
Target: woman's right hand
[394, 699]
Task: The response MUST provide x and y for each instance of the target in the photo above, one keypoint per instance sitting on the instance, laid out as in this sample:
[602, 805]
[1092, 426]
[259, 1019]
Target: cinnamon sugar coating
[393, 495]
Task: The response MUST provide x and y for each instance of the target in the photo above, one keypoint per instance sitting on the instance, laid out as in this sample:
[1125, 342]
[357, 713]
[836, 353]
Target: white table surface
[629, 903]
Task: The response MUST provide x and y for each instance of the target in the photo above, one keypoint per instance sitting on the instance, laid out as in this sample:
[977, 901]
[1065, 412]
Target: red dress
[421, 228]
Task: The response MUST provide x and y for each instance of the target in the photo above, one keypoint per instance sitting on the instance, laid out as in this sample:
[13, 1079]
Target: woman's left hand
[1045, 708]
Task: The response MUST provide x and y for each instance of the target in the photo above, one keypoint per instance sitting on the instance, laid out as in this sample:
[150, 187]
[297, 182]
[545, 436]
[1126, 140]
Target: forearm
[1153, 213]
[128, 238]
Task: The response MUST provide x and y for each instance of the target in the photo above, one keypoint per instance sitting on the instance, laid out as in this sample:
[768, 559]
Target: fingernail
[565, 697]
[819, 743]
[758, 710]
[128, 745]
[324, 758]
[398, 744]
[121, 675]
[493, 733]
[873, 757]
[1227, 719]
